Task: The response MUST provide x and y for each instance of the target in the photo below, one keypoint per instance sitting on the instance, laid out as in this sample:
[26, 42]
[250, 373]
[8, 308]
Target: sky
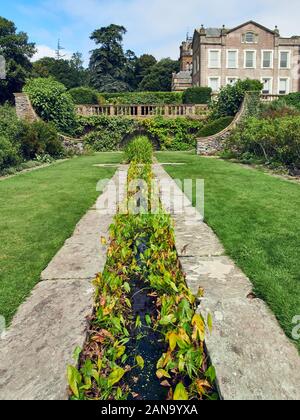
[154, 26]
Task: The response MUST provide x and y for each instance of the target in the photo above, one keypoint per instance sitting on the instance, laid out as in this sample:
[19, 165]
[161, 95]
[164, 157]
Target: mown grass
[38, 212]
[257, 218]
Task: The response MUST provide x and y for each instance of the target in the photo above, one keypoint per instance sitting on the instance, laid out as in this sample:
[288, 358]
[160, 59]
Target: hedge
[140, 98]
[215, 127]
[84, 96]
[293, 99]
[197, 95]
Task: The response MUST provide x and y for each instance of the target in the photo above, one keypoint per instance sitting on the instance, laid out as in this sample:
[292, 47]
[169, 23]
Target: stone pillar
[24, 108]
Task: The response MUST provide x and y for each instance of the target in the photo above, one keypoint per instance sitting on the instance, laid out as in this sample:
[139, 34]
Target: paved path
[254, 360]
[52, 322]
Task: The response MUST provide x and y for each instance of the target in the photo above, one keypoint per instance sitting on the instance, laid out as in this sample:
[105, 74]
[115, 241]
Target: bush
[277, 109]
[84, 96]
[8, 154]
[52, 103]
[139, 150]
[215, 126]
[293, 99]
[230, 97]
[273, 140]
[140, 98]
[10, 125]
[197, 95]
[38, 139]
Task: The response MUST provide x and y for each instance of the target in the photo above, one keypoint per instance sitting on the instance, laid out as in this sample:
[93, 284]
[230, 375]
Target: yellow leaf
[74, 379]
[199, 327]
[173, 341]
[103, 240]
[140, 361]
[161, 373]
[116, 375]
[210, 323]
[180, 393]
[120, 351]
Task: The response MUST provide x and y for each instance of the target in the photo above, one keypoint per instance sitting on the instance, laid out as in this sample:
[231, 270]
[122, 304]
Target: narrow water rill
[146, 340]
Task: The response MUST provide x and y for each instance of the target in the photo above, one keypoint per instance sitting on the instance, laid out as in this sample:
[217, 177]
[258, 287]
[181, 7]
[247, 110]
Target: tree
[71, 72]
[143, 66]
[159, 77]
[17, 51]
[108, 62]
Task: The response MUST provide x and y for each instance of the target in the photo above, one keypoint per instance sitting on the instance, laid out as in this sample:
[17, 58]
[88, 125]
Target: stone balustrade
[144, 111]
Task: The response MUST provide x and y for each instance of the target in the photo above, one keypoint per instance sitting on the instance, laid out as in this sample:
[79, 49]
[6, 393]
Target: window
[214, 83]
[250, 59]
[249, 38]
[214, 60]
[231, 80]
[284, 61]
[283, 86]
[267, 59]
[267, 82]
[232, 59]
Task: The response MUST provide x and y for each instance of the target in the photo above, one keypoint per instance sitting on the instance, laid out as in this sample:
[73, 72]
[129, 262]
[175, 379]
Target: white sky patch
[45, 51]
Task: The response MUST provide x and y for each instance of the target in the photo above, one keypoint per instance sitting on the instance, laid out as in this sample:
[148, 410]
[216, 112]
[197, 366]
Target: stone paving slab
[40, 342]
[218, 276]
[253, 358]
[196, 240]
[82, 257]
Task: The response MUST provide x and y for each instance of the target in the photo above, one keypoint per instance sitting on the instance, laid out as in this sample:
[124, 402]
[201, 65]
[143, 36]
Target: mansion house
[222, 56]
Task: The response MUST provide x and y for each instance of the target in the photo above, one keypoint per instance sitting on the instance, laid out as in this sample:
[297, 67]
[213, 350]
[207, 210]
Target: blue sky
[154, 26]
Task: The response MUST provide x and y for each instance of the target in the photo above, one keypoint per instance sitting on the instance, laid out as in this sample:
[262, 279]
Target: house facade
[222, 56]
[183, 80]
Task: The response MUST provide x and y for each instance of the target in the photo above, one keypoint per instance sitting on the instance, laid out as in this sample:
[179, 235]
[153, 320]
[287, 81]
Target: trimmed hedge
[197, 95]
[215, 127]
[140, 98]
[293, 99]
[84, 96]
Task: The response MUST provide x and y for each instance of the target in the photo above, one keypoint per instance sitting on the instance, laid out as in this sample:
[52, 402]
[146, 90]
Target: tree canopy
[17, 51]
[159, 77]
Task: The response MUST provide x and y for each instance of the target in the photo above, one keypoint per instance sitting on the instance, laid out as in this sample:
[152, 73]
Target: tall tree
[17, 51]
[108, 61]
[69, 72]
[143, 66]
[159, 77]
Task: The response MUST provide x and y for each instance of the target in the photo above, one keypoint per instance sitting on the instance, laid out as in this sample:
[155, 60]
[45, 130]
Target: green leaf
[74, 379]
[211, 374]
[168, 319]
[161, 373]
[140, 361]
[148, 320]
[138, 322]
[180, 393]
[210, 322]
[115, 376]
[76, 354]
[126, 287]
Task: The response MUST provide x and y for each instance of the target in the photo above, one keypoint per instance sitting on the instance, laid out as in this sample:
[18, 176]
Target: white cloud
[45, 51]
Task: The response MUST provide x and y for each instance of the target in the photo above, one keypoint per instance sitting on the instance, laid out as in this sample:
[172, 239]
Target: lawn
[257, 218]
[38, 212]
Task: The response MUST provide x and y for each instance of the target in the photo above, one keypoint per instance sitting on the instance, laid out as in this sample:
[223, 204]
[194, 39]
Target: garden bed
[145, 339]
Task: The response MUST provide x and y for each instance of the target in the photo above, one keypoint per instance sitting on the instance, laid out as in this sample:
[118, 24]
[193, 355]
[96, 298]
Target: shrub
[277, 109]
[215, 126]
[52, 103]
[230, 97]
[197, 95]
[273, 140]
[139, 150]
[10, 126]
[293, 99]
[8, 154]
[84, 96]
[140, 98]
[40, 138]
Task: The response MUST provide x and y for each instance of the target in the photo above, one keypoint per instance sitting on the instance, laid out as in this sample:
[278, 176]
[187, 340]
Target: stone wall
[24, 108]
[209, 146]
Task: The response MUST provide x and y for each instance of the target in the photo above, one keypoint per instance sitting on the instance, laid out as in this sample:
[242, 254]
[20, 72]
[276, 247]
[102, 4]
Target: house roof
[251, 22]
